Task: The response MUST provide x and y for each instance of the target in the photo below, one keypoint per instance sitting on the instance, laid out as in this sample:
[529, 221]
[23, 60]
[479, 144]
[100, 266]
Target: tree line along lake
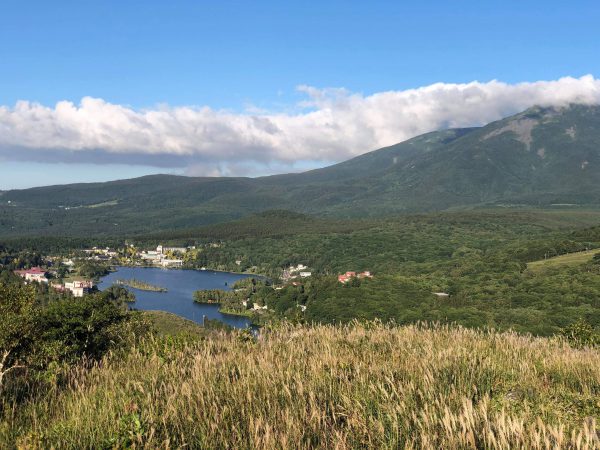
[180, 286]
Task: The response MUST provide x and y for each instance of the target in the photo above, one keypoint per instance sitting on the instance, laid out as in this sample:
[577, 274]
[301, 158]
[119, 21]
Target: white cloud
[334, 125]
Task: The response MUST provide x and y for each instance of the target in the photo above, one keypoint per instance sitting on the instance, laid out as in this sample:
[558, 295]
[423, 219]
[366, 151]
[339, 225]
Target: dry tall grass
[359, 386]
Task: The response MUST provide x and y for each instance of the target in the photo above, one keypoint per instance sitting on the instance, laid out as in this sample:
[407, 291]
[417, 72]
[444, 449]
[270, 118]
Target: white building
[162, 250]
[79, 288]
[171, 262]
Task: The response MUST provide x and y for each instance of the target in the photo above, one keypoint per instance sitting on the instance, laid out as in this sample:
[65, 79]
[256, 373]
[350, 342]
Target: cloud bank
[330, 125]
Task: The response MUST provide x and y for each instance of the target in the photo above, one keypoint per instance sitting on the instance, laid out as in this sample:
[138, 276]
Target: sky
[101, 90]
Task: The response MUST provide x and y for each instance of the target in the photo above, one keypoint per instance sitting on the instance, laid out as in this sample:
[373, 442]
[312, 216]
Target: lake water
[181, 285]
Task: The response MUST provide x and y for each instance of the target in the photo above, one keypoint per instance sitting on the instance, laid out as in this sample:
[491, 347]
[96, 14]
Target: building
[79, 288]
[34, 274]
[295, 271]
[344, 278]
[171, 262]
[151, 256]
[68, 262]
[162, 250]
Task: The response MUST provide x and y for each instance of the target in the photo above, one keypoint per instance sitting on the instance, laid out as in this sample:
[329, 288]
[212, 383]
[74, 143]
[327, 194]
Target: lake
[181, 285]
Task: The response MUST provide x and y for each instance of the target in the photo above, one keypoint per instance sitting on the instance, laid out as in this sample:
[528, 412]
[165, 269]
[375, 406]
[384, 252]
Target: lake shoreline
[179, 298]
[114, 268]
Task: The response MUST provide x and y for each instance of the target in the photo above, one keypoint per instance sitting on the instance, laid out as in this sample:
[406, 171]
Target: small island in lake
[141, 285]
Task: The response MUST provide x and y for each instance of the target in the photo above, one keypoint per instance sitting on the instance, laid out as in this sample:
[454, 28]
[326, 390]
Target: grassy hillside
[570, 259]
[542, 157]
[327, 387]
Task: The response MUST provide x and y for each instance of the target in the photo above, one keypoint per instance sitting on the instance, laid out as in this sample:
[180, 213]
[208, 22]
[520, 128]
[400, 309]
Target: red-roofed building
[344, 278]
[34, 274]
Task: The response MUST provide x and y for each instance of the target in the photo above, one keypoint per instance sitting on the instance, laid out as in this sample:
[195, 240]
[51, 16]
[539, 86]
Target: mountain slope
[540, 157]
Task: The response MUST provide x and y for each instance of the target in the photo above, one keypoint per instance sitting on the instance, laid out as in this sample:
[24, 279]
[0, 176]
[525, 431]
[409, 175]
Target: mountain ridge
[540, 157]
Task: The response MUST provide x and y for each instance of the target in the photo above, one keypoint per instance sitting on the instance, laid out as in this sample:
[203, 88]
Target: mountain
[540, 157]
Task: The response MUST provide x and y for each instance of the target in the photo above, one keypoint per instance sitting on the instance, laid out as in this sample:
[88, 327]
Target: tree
[76, 327]
[117, 294]
[92, 270]
[17, 327]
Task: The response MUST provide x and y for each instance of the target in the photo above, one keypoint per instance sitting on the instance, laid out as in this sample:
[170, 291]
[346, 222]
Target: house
[257, 307]
[344, 278]
[79, 288]
[34, 274]
[441, 294]
[305, 274]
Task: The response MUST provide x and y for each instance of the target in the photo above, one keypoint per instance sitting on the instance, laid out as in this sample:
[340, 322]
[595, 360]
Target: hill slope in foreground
[541, 157]
[359, 386]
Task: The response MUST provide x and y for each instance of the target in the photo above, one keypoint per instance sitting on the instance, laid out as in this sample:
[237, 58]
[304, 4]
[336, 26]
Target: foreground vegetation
[352, 386]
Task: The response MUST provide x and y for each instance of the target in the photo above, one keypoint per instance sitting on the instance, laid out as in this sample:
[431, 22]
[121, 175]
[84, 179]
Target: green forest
[479, 258]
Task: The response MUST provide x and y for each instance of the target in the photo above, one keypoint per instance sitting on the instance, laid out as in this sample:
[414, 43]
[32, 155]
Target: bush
[79, 327]
[582, 334]
[38, 335]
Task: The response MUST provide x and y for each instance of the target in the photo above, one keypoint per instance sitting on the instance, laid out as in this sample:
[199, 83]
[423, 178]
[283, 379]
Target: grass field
[570, 259]
[333, 387]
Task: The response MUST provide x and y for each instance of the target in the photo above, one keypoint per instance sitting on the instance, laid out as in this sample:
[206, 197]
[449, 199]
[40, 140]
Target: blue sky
[248, 58]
